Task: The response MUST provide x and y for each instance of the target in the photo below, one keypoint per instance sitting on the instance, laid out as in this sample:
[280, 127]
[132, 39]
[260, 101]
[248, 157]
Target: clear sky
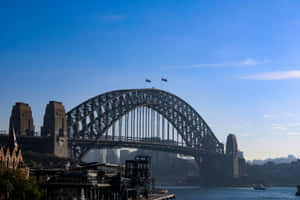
[236, 62]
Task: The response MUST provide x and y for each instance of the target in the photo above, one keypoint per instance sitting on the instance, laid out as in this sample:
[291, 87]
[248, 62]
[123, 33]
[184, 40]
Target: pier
[161, 197]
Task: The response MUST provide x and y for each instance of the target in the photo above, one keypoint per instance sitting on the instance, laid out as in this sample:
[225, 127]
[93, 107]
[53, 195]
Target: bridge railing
[135, 139]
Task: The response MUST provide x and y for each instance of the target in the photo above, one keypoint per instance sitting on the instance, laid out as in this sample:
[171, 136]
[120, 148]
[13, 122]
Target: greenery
[14, 185]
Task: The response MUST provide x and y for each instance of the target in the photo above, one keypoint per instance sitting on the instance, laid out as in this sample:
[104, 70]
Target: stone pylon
[55, 127]
[21, 119]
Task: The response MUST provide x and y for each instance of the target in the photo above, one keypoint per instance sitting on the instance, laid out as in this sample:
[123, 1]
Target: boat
[259, 187]
[298, 190]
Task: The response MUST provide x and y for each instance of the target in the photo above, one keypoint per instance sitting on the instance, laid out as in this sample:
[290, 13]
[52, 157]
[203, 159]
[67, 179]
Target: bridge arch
[91, 120]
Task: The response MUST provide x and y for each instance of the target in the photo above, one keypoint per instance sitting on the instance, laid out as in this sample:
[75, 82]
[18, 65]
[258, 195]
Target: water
[196, 193]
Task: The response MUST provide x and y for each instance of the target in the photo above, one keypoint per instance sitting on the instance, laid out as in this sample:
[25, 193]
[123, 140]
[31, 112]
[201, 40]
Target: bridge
[149, 119]
[140, 118]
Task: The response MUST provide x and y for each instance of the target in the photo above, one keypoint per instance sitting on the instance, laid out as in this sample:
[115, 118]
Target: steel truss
[147, 116]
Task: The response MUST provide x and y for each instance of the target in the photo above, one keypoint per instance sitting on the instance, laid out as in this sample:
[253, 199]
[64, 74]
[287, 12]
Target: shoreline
[197, 186]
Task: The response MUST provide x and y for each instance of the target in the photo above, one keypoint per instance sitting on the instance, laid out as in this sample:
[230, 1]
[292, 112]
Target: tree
[14, 185]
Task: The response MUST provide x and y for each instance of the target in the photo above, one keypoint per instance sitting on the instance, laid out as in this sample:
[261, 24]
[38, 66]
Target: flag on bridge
[164, 79]
[148, 80]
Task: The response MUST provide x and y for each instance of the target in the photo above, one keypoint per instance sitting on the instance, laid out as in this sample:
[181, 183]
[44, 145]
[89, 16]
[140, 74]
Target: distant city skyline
[236, 62]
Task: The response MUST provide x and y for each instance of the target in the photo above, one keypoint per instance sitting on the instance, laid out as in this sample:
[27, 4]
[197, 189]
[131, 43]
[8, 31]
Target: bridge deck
[158, 146]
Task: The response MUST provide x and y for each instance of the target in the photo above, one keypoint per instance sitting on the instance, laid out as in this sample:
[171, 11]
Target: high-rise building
[21, 119]
[242, 164]
[55, 126]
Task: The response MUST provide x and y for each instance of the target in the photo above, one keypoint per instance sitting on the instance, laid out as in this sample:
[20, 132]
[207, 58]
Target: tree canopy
[14, 185]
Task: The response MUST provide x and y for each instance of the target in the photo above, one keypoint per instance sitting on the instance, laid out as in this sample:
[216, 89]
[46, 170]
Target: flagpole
[164, 80]
[148, 81]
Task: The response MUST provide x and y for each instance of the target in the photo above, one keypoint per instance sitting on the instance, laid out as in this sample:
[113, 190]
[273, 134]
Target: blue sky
[236, 62]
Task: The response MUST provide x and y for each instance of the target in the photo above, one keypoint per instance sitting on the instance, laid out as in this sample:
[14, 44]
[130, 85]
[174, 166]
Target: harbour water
[196, 193]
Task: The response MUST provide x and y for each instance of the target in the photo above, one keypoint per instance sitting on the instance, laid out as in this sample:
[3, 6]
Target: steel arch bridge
[140, 118]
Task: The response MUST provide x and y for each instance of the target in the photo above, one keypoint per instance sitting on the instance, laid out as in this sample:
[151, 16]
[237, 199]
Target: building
[11, 155]
[113, 156]
[21, 119]
[102, 181]
[242, 164]
[139, 172]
